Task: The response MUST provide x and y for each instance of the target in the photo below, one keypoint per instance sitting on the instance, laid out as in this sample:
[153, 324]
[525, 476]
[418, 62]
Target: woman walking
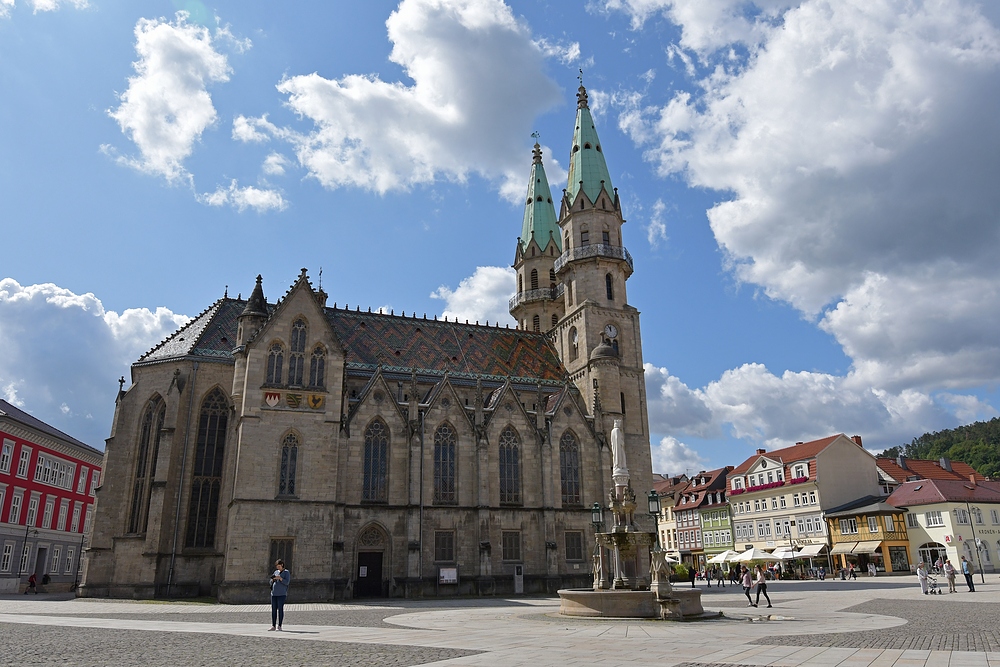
[761, 586]
[747, 585]
[280, 579]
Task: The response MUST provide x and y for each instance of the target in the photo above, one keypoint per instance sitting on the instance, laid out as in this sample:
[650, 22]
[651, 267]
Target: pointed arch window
[206, 483]
[376, 463]
[520, 283]
[289, 463]
[444, 465]
[297, 355]
[609, 286]
[536, 323]
[275, 360]
[534, 279]
[510, 467]
[584, 234]
[145, 465]
[574, 344]
[569, 468]
[317, 368]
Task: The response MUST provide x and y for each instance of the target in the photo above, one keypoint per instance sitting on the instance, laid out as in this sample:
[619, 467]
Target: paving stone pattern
[932, 624]
[84, 647]
[354, 618]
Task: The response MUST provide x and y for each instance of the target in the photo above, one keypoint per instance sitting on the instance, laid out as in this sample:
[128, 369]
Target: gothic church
[386, 455]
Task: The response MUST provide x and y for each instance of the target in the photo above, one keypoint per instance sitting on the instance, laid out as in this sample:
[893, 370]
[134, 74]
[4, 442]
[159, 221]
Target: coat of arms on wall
[316, 401]
[293, 400]
[272, 398]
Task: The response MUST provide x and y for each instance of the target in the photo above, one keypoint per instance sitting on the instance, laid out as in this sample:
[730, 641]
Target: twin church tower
[384, 455]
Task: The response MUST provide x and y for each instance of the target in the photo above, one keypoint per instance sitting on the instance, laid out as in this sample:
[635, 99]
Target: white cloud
[480, 297]
[65, 349]
[167, 106]
[472, 66]
[656, 230]
[564, 53]
[40, 6]
[275, 164]
[5, 7]
[260, 200]
[246, 129]
[673, 457]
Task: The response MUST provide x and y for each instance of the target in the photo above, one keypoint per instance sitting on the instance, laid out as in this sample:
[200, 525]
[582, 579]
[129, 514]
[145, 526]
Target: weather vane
[580, 77]
[535, 135]
[321, 277]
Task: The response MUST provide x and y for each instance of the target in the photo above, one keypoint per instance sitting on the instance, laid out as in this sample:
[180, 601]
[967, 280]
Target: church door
[369, 575]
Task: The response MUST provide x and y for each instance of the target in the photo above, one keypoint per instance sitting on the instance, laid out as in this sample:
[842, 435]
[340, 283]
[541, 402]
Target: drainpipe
[180, 487]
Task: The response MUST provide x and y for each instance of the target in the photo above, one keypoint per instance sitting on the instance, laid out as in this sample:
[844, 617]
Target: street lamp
[653, 501]
[597, 516]
[975, 540]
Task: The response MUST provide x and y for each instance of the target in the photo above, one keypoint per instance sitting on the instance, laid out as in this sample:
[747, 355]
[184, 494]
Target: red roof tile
[789, 454]
[930, 491]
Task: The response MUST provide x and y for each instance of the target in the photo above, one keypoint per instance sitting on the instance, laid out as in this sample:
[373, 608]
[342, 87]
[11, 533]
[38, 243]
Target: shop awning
[843, 548]
[867, 547]
[811, 550]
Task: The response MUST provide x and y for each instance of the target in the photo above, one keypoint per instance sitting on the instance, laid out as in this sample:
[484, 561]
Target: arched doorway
[929, 552]
[368, 574]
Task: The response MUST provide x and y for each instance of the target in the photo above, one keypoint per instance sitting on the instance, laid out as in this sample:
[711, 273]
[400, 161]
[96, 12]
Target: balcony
[594, 250]
[550, 293]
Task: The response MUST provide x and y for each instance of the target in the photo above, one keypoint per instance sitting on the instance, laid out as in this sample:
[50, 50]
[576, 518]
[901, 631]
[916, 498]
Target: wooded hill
[977, 444]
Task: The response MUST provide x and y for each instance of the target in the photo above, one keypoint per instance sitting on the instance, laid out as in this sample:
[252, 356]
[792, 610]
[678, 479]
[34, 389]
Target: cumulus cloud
[480, 297]
[260, 200]
[63, 353]
[477, 86]
[656, 230]
[673, 457]
[167, 106]
[40, 5]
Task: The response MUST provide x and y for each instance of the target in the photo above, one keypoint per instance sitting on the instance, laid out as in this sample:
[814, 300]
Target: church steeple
[587, 168]
[539, 212]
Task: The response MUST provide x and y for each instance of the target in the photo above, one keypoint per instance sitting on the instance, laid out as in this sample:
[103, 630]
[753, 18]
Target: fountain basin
[608, 603]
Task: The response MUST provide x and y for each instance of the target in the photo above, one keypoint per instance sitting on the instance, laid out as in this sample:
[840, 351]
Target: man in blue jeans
[280, 579]
[967, 571]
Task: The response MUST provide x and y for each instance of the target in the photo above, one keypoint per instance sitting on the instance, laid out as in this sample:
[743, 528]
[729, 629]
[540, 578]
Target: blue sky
[810, 190]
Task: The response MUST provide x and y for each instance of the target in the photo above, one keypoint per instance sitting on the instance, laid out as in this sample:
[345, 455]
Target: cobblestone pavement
[881, 623]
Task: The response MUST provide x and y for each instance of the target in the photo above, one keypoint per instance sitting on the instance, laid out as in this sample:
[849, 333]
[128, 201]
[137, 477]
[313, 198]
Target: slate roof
[931, 491]
[806, 450]
[393, 341]
[714, 480]
[18, 415]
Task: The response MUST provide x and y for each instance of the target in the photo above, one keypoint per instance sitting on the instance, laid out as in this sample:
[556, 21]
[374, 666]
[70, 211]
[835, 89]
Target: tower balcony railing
[594, 250]
[550, 293]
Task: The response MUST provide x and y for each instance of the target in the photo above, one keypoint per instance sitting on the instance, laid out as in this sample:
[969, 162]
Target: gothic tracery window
[275, 360]
[444, 464]
[569, 468]
[289, 461]
[376, 462]
[317, 368]
[510, 467]
[297, 355]
[145, 465]
[206, 484]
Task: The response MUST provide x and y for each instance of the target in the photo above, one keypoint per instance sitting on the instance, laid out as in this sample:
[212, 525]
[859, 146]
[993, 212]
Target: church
[386, 455]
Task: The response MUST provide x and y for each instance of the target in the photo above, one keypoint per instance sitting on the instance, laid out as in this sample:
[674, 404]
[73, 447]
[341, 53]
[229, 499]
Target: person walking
[851, 574]
[949, 573]
[32, 584]
[872, 572]
[922, 576]
[761, 586]
[968, 571]
[719, 579]
[280, 579]
[747, 582]
[692, 574]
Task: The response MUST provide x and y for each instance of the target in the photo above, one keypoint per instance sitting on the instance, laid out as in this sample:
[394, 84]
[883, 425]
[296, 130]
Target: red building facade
[47, 485]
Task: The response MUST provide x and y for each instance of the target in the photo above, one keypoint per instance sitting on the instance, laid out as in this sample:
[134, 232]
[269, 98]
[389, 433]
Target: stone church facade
[385, 455]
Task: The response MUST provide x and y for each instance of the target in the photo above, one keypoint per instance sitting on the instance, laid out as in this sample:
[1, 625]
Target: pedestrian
[762, 586]
[922, 577]
[872, 572]
[692, 574]
[747, 585]
[851, 574]
[32, 584]
[949, 573]
[968, 571]
[938, 564]
[719, 579]
[280, 579]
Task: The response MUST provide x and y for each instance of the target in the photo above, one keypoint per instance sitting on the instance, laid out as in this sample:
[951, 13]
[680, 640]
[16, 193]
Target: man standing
[967, 570]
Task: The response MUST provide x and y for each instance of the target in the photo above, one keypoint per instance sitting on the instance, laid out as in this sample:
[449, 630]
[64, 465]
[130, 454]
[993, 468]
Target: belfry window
[376, 462]
[297, 356]
[510, 467]
[536, 323]
[444, 464]
[145, 465]
[584, 237]
[317, 368]
[606, 237]
[552, 278]
[275, 359]
[534, 279]
[206, 484]
[609, 286]
[574, 344]
[555, 320]
[289, 461]
[569, 468]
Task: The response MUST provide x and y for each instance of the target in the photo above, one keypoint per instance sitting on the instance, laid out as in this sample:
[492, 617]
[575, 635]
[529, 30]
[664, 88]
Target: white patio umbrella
[754, 554]
[725, 557]
[786, 554]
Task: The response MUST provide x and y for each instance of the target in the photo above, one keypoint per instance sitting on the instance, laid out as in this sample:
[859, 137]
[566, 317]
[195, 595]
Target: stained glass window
[444, 464]
[569, 468]
[376, 462]
[289, 457]
[317, 368]
[510, 467]
[275, 359]
[206, 485]
[145, 464]
[297, 355]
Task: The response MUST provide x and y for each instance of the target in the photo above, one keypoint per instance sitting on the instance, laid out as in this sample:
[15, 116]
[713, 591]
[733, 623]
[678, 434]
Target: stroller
[932, 584]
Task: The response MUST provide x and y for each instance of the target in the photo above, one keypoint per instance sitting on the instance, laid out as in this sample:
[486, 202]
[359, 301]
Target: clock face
[611, 331]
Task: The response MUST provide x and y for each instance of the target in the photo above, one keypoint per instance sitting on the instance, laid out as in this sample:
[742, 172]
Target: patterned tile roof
[395, 342]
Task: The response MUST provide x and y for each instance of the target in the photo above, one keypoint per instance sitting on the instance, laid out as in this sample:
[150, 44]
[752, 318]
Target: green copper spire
[539, 213]
[586, 163]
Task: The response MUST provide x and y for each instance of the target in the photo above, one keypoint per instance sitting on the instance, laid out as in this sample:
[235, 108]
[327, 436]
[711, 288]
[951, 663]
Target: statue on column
[619, 466]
